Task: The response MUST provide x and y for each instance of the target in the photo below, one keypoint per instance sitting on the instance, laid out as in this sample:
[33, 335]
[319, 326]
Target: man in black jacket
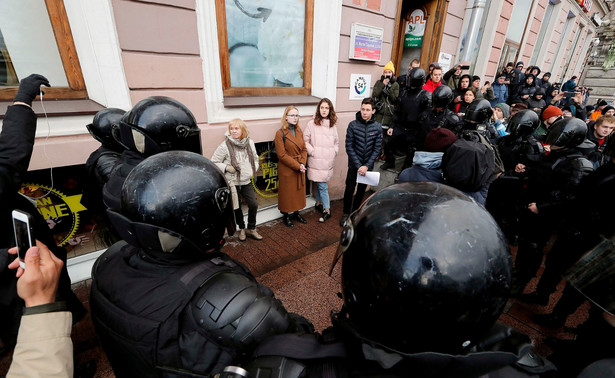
[363, 141]
[16, 144]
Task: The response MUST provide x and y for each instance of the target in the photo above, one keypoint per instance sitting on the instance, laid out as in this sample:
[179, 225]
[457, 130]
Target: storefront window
[35, 38]
[265, 46]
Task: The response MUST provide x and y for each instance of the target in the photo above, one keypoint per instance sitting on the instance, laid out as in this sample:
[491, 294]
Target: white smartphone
[24, 237]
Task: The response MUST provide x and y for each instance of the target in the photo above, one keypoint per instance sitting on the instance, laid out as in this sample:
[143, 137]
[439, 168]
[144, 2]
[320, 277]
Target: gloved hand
[230, 169]
[29, 88]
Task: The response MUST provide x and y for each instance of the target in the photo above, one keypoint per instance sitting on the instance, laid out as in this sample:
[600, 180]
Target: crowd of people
[426, 269]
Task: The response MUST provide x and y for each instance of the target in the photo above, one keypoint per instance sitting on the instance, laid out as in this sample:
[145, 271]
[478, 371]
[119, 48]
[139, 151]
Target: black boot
[287, 221]
[299, 218]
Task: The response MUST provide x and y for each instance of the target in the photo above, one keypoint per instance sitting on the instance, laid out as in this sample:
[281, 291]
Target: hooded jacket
[526, 89]
[535, 103]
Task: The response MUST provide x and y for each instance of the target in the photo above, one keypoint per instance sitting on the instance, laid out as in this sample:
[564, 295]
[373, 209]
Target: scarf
[233, 148]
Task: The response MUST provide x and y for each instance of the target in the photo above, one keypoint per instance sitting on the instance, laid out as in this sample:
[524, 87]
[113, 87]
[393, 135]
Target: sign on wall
[415, 29]
[360, 86]
[365, 42]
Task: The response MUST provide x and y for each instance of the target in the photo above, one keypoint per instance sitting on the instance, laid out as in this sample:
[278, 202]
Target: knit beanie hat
[438, 140]
[389, 66]
[606, 109]
[505, 109]
[475, 77]
[551, 111]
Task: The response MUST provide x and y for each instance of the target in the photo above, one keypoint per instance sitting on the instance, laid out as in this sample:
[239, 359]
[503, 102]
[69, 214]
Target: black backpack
[480, 137]
[468, 165]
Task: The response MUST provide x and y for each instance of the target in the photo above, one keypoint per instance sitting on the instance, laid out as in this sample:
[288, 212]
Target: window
[44, 46]
[265, 49]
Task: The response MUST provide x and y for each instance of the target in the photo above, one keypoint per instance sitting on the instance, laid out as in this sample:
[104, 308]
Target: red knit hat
[438, 140]
[551, 111]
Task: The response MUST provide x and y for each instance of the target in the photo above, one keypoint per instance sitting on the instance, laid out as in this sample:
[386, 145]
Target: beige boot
[242, 235]
[254, 234]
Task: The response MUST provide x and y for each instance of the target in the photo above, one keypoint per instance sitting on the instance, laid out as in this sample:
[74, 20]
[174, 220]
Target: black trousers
[249, 196]
[351, 203]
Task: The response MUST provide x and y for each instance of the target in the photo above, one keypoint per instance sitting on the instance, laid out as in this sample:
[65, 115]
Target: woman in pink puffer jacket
[322, 144]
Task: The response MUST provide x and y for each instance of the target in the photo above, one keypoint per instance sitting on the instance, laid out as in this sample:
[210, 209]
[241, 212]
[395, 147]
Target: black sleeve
[16, 144]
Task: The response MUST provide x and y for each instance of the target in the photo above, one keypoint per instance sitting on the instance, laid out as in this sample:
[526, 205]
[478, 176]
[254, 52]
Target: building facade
[249, 59]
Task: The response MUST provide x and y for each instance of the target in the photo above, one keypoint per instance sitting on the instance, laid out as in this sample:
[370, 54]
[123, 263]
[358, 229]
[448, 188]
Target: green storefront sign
[413, 41]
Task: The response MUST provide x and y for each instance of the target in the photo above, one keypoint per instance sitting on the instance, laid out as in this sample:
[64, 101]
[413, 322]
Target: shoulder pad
[583, 165]
[235, 311]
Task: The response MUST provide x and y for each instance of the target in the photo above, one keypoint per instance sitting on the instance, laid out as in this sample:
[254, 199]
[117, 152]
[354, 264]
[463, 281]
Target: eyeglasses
[293, 115]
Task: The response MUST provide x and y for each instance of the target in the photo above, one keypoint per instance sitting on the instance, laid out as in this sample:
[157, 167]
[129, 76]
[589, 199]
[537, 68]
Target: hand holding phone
[24, 237]
[38, 284]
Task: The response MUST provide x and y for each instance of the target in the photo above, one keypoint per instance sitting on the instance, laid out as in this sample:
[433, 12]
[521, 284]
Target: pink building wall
[160, 51]
[161, 56]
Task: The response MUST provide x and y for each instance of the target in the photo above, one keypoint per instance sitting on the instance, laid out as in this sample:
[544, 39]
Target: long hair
[288, 109]
[242, 125]
[331, 117]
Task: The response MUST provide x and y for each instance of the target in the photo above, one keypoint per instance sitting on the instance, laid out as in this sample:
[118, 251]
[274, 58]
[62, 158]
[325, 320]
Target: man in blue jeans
[363, 141]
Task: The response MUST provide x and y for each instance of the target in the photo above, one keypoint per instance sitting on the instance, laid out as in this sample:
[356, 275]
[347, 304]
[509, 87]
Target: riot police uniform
[413, 100]
[519, 147]
[425, 275]
[438, 116]
[155, 124]
[553, 182]
[101, 162]
[161, 305]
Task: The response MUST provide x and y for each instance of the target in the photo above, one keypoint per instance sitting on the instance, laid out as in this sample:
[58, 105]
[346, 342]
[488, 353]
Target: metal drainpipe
[478, 8]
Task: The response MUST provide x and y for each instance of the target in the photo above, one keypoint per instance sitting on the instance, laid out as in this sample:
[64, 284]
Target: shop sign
[360, 86]
[58, 198]
[415, 29]
[365, 42]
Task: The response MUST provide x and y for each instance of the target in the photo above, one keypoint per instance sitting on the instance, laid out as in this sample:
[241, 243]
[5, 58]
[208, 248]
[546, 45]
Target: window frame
[229, 91]
[66, 47]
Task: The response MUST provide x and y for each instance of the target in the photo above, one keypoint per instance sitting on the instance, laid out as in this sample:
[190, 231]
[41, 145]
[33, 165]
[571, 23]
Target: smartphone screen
[23, 234]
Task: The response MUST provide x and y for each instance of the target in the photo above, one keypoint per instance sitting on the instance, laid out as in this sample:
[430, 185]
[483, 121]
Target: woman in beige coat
[237, 158]
[292, 155]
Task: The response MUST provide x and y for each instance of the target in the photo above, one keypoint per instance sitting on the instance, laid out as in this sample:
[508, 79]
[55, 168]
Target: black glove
[29, 88]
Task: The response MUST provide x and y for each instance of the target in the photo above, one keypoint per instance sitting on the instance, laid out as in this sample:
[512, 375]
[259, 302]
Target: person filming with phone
[16, 145]
[44, 347]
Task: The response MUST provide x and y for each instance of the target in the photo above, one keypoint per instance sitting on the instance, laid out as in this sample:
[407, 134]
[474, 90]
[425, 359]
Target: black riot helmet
[175, 203]
[479, 111]
[416, 78]
[442, 96]
[158, 123]
[566, 132]
[425, 269]
[523, 123]
[102, 126]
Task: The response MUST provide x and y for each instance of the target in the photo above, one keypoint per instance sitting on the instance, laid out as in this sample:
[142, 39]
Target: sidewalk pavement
[294, 263]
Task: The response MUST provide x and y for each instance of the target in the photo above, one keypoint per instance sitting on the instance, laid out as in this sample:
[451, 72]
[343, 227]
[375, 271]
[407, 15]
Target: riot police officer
[519, 147]
[166, 301]
[438, 116]
[477, 118]
[413, 100]
[155, 124]
[425, 275]
[101, 162]
[553, 182]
